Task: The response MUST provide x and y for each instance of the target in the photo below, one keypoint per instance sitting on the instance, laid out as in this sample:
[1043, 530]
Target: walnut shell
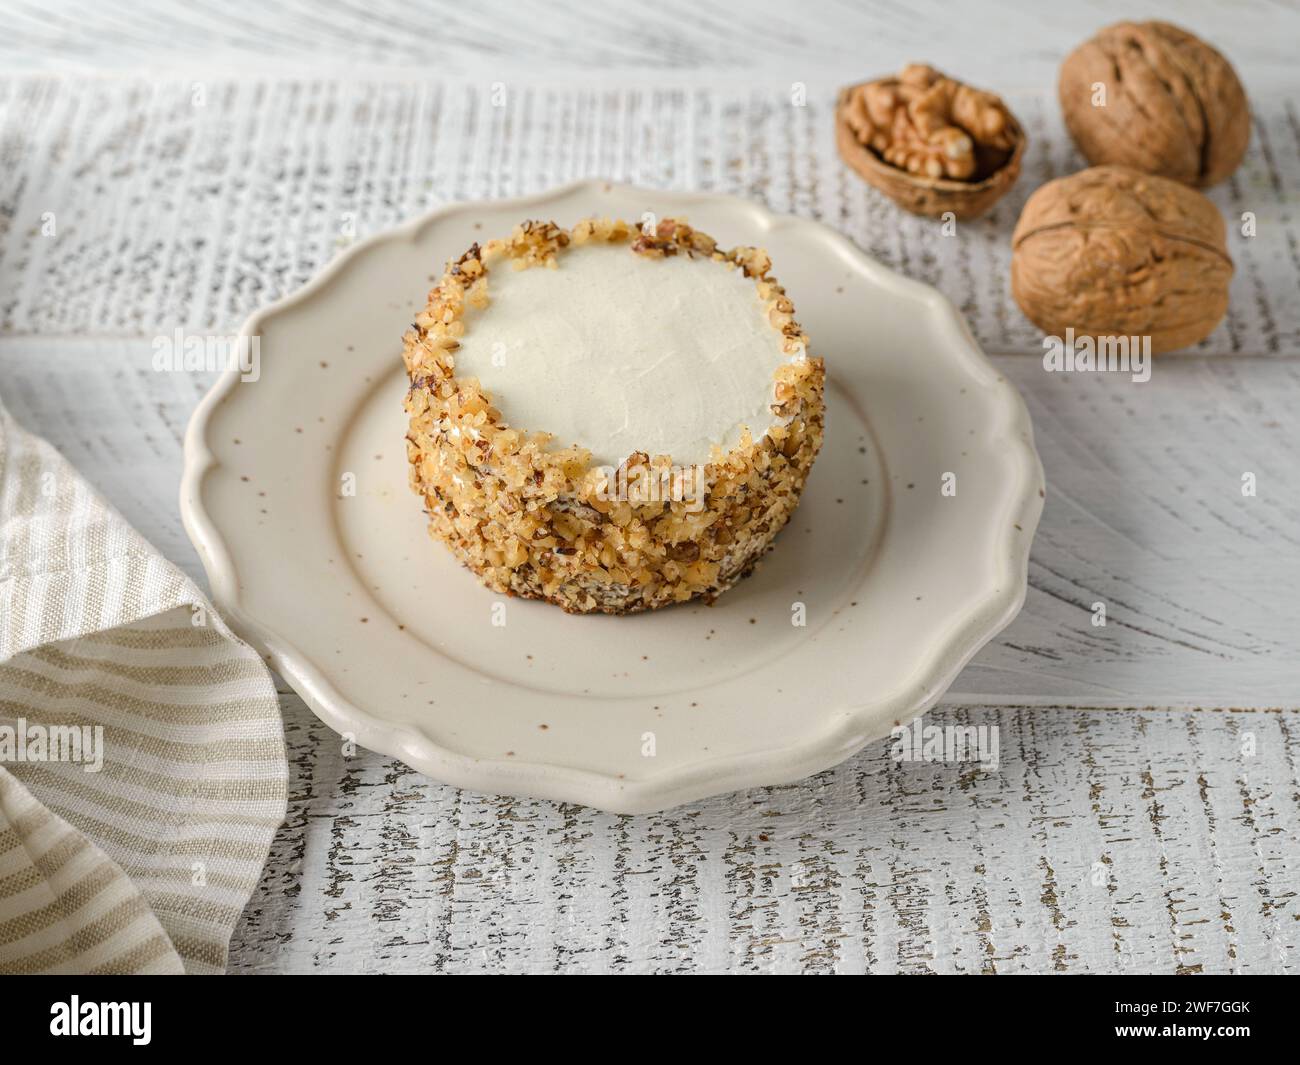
[1111, 252]
[1173, 105]
[996, 146]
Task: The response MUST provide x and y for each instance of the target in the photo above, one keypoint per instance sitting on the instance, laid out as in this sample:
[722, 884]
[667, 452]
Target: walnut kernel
[930, 143]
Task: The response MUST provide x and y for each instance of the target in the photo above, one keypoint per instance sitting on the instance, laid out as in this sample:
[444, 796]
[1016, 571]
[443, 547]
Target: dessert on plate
[612, 418]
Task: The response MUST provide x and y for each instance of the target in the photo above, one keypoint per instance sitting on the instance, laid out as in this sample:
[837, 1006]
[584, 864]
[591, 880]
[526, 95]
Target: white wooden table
[182, 166]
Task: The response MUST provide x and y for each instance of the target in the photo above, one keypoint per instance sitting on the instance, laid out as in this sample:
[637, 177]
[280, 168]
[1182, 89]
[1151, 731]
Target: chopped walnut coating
[533, 520]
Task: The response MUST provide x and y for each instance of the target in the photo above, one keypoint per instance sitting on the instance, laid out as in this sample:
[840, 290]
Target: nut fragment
[1110, 252]
[1156, 98]
[929, 142]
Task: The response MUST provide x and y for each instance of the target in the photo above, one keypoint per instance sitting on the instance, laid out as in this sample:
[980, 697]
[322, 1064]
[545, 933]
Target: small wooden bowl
[931, 197]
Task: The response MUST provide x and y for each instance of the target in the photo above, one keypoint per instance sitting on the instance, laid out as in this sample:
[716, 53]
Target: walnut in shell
[929, 143]
[1111, 252]
[1156, 98]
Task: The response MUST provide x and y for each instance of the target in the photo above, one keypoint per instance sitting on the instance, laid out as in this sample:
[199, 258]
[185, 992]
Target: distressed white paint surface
[1108, 841]
[170, 214]
[1144, 512]
[166, 213]
[998, 42]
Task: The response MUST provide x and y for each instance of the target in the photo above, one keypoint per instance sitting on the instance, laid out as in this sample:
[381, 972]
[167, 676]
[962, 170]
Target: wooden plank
[1107, 841]
[1144, 512]
[165, 213]
[998, 42]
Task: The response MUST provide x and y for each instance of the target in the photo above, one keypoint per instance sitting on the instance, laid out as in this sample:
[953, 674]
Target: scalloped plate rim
[713, 776]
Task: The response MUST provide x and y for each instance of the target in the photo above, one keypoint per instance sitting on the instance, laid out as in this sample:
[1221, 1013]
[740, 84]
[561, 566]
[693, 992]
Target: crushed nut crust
[535, 521]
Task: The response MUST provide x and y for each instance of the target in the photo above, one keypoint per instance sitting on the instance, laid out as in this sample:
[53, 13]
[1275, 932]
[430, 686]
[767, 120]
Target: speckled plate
[295, 495]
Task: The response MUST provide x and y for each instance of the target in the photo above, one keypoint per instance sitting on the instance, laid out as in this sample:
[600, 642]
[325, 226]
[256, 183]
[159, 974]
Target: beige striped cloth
[142, 768]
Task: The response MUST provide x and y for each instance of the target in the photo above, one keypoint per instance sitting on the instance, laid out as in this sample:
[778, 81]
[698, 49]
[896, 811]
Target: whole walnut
[930, 143]
[1156, 98]
[1110, 252]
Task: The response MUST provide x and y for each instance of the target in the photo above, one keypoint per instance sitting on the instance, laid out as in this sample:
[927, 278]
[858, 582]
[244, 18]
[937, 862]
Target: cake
[612, 418]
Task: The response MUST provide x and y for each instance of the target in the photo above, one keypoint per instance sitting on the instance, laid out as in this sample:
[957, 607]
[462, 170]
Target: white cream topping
[619, 353]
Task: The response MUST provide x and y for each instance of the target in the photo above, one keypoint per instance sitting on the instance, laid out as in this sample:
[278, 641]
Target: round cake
[612, 418]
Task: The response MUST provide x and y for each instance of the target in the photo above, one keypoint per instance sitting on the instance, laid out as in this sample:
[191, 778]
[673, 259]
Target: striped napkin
[142, 768]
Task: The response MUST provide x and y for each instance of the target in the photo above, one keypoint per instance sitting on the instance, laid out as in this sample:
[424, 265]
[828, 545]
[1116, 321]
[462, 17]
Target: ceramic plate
[877, 593]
